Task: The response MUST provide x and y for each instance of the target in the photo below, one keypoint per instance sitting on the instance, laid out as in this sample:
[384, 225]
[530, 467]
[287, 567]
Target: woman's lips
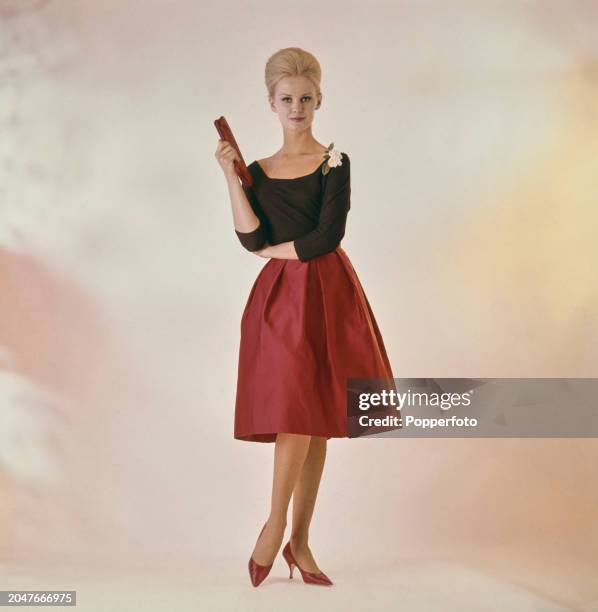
[297, 119]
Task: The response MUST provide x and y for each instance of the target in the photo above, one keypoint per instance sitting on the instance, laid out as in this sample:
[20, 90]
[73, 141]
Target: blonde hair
[290, 62]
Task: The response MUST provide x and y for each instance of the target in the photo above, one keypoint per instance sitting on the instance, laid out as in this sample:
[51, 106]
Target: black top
[310, 210]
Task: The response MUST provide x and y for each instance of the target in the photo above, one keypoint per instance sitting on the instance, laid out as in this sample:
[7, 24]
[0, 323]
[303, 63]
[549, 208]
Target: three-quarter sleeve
[336, 202]
[255, 240]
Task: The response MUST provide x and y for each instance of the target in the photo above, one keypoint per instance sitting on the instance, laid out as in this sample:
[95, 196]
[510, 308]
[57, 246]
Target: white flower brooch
[333, 158]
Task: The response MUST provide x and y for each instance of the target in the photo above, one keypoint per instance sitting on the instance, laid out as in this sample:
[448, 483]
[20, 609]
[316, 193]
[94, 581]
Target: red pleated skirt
[306, 328]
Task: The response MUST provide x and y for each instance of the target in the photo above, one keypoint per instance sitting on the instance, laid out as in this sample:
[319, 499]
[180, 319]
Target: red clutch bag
[240, 167]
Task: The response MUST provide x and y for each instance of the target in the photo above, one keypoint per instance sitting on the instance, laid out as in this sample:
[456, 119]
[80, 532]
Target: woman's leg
[289, 456]
[304, 501]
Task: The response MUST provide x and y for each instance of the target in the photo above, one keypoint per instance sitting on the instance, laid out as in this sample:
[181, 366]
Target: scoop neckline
[271, 178]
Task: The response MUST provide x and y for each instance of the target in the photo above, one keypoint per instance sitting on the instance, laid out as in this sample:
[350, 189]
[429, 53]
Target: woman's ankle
[299, 540]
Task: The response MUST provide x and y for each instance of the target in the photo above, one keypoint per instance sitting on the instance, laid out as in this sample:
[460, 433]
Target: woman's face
[295, 97]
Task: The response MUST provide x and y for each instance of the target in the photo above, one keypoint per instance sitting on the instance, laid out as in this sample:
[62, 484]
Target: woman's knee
[292, 437]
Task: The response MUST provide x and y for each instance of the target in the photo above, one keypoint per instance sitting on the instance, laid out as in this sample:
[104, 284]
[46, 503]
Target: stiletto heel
[257, 572]
[309, 577]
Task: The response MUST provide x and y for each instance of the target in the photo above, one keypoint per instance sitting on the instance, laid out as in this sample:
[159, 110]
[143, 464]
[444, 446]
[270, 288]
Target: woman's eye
[304, 98]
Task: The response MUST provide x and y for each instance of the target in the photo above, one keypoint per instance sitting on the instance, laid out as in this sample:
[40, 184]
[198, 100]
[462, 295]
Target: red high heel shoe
[309, 577]
[258, 572]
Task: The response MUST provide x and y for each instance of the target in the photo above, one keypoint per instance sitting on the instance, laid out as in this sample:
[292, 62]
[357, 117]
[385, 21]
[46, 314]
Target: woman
[307, 325]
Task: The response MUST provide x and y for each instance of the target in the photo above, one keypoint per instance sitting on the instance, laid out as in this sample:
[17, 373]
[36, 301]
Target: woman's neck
[298, 144]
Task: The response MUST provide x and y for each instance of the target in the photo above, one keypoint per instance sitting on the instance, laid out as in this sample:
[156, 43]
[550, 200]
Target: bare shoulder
[280, 167]
[277, 160]
[267, 163]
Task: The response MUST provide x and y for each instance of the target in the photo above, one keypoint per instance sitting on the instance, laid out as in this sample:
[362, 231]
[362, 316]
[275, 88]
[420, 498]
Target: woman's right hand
[226, 155]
